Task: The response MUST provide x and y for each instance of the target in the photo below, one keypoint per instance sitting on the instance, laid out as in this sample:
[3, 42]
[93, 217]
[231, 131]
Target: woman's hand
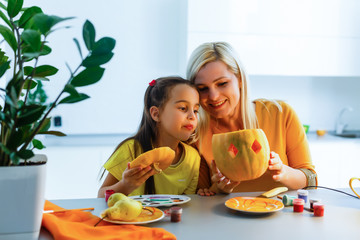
[222, 183]
[133, 178]
[276, 167]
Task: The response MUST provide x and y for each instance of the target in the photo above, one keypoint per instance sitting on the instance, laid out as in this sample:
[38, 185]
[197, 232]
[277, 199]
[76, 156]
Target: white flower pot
[22, 200]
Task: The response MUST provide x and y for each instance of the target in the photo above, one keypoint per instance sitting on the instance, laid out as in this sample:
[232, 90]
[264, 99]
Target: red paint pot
[108, 193]
[318, 209]
[175, 214]
[298, 204]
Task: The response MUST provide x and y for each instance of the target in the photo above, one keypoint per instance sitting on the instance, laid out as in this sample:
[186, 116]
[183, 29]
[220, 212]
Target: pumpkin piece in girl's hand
[158, 158]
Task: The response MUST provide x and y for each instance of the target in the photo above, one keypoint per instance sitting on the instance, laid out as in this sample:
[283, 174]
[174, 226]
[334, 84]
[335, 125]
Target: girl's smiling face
[178, 118]
[219, 90]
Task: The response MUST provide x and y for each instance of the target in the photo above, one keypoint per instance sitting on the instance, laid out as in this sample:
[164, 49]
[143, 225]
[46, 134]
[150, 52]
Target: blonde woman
[218, 75]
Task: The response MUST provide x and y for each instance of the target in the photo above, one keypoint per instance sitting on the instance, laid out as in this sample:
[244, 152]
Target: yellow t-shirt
[181, 178]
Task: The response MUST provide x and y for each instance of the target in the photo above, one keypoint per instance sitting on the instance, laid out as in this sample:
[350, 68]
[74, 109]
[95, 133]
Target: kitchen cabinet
[282, 37]
[73, 171]
[336, 159]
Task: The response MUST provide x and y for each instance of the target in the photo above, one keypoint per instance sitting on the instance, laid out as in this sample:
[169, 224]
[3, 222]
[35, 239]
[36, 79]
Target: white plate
[144, 218]
[161, 200]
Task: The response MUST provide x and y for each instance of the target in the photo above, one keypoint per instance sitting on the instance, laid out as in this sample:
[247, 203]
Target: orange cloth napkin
[80, 225]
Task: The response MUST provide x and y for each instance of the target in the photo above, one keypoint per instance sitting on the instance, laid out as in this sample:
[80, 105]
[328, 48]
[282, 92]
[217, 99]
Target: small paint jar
[312, 201]
[298, 204]
[175, 214]
[108, 193]
[288, 200]
[318, 209]
[303, 194]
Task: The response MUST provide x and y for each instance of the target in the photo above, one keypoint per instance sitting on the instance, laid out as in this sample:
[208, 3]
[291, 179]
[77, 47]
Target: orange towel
[80, 225]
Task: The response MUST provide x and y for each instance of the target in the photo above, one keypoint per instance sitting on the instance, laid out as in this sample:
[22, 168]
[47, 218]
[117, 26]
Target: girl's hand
[133, 178]
[222, 183]
[276, 167]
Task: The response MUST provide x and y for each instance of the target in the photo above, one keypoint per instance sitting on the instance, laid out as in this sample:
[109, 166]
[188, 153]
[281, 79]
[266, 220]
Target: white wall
[149, 44]
[317, 100]
[283, 37]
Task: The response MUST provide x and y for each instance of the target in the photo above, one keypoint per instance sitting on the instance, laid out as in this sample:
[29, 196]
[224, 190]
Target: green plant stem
[30, 78]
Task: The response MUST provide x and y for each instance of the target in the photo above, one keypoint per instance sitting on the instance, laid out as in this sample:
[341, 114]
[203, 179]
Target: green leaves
[44, 23]
[37, 144]
[74, 96]
[100, 51]
[9, 37]
[27, 15]
[97, 60]
[4, 63]
[88, 76]
[3, 17]
[89, 35]
[41, 72]
[103, 46]
[14, 7]
[33, 39]
[30, 114]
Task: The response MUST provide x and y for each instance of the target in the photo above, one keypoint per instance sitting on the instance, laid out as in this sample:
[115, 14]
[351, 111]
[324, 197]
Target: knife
[66, 210]
[273, 192]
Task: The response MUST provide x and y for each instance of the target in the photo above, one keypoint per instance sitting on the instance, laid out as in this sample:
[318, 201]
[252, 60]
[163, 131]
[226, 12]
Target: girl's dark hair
[157, 94]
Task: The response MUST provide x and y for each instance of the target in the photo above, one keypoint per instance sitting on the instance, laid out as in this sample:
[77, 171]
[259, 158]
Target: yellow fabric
[178, 179]
[74, 225]
[286, 137]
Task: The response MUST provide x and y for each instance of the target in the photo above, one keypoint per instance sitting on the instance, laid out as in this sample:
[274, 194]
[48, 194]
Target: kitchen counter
[329, 137]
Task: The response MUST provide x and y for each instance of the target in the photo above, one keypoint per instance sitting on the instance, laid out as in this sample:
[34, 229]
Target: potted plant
[24, 114]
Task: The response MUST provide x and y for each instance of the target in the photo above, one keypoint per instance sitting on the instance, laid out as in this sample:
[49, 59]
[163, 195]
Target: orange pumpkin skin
[241, 155]
[158, 158]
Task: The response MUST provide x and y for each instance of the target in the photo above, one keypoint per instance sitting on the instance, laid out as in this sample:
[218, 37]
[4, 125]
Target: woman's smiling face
[219, 90]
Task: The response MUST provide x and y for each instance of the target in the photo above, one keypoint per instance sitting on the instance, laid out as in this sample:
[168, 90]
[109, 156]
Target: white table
[208, 218]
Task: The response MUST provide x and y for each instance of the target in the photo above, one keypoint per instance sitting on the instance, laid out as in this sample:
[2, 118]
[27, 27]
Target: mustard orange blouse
[286, 137]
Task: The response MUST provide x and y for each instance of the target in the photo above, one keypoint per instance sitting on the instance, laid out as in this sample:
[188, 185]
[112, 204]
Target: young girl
[169, 119]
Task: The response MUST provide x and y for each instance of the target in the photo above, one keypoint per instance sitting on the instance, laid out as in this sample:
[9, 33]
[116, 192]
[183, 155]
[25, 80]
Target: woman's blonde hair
[222, 51]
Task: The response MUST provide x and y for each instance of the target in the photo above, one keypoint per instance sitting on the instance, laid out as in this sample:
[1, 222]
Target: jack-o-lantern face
[241, 155]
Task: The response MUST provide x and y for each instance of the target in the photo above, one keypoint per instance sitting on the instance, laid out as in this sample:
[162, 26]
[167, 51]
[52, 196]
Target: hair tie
[152, 83]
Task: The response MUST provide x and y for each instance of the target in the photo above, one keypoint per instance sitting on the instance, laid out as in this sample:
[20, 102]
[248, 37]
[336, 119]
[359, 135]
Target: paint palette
[159, 200]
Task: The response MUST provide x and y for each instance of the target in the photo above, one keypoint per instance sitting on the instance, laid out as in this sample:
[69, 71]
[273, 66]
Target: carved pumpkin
[241, 155]
[158, 158]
